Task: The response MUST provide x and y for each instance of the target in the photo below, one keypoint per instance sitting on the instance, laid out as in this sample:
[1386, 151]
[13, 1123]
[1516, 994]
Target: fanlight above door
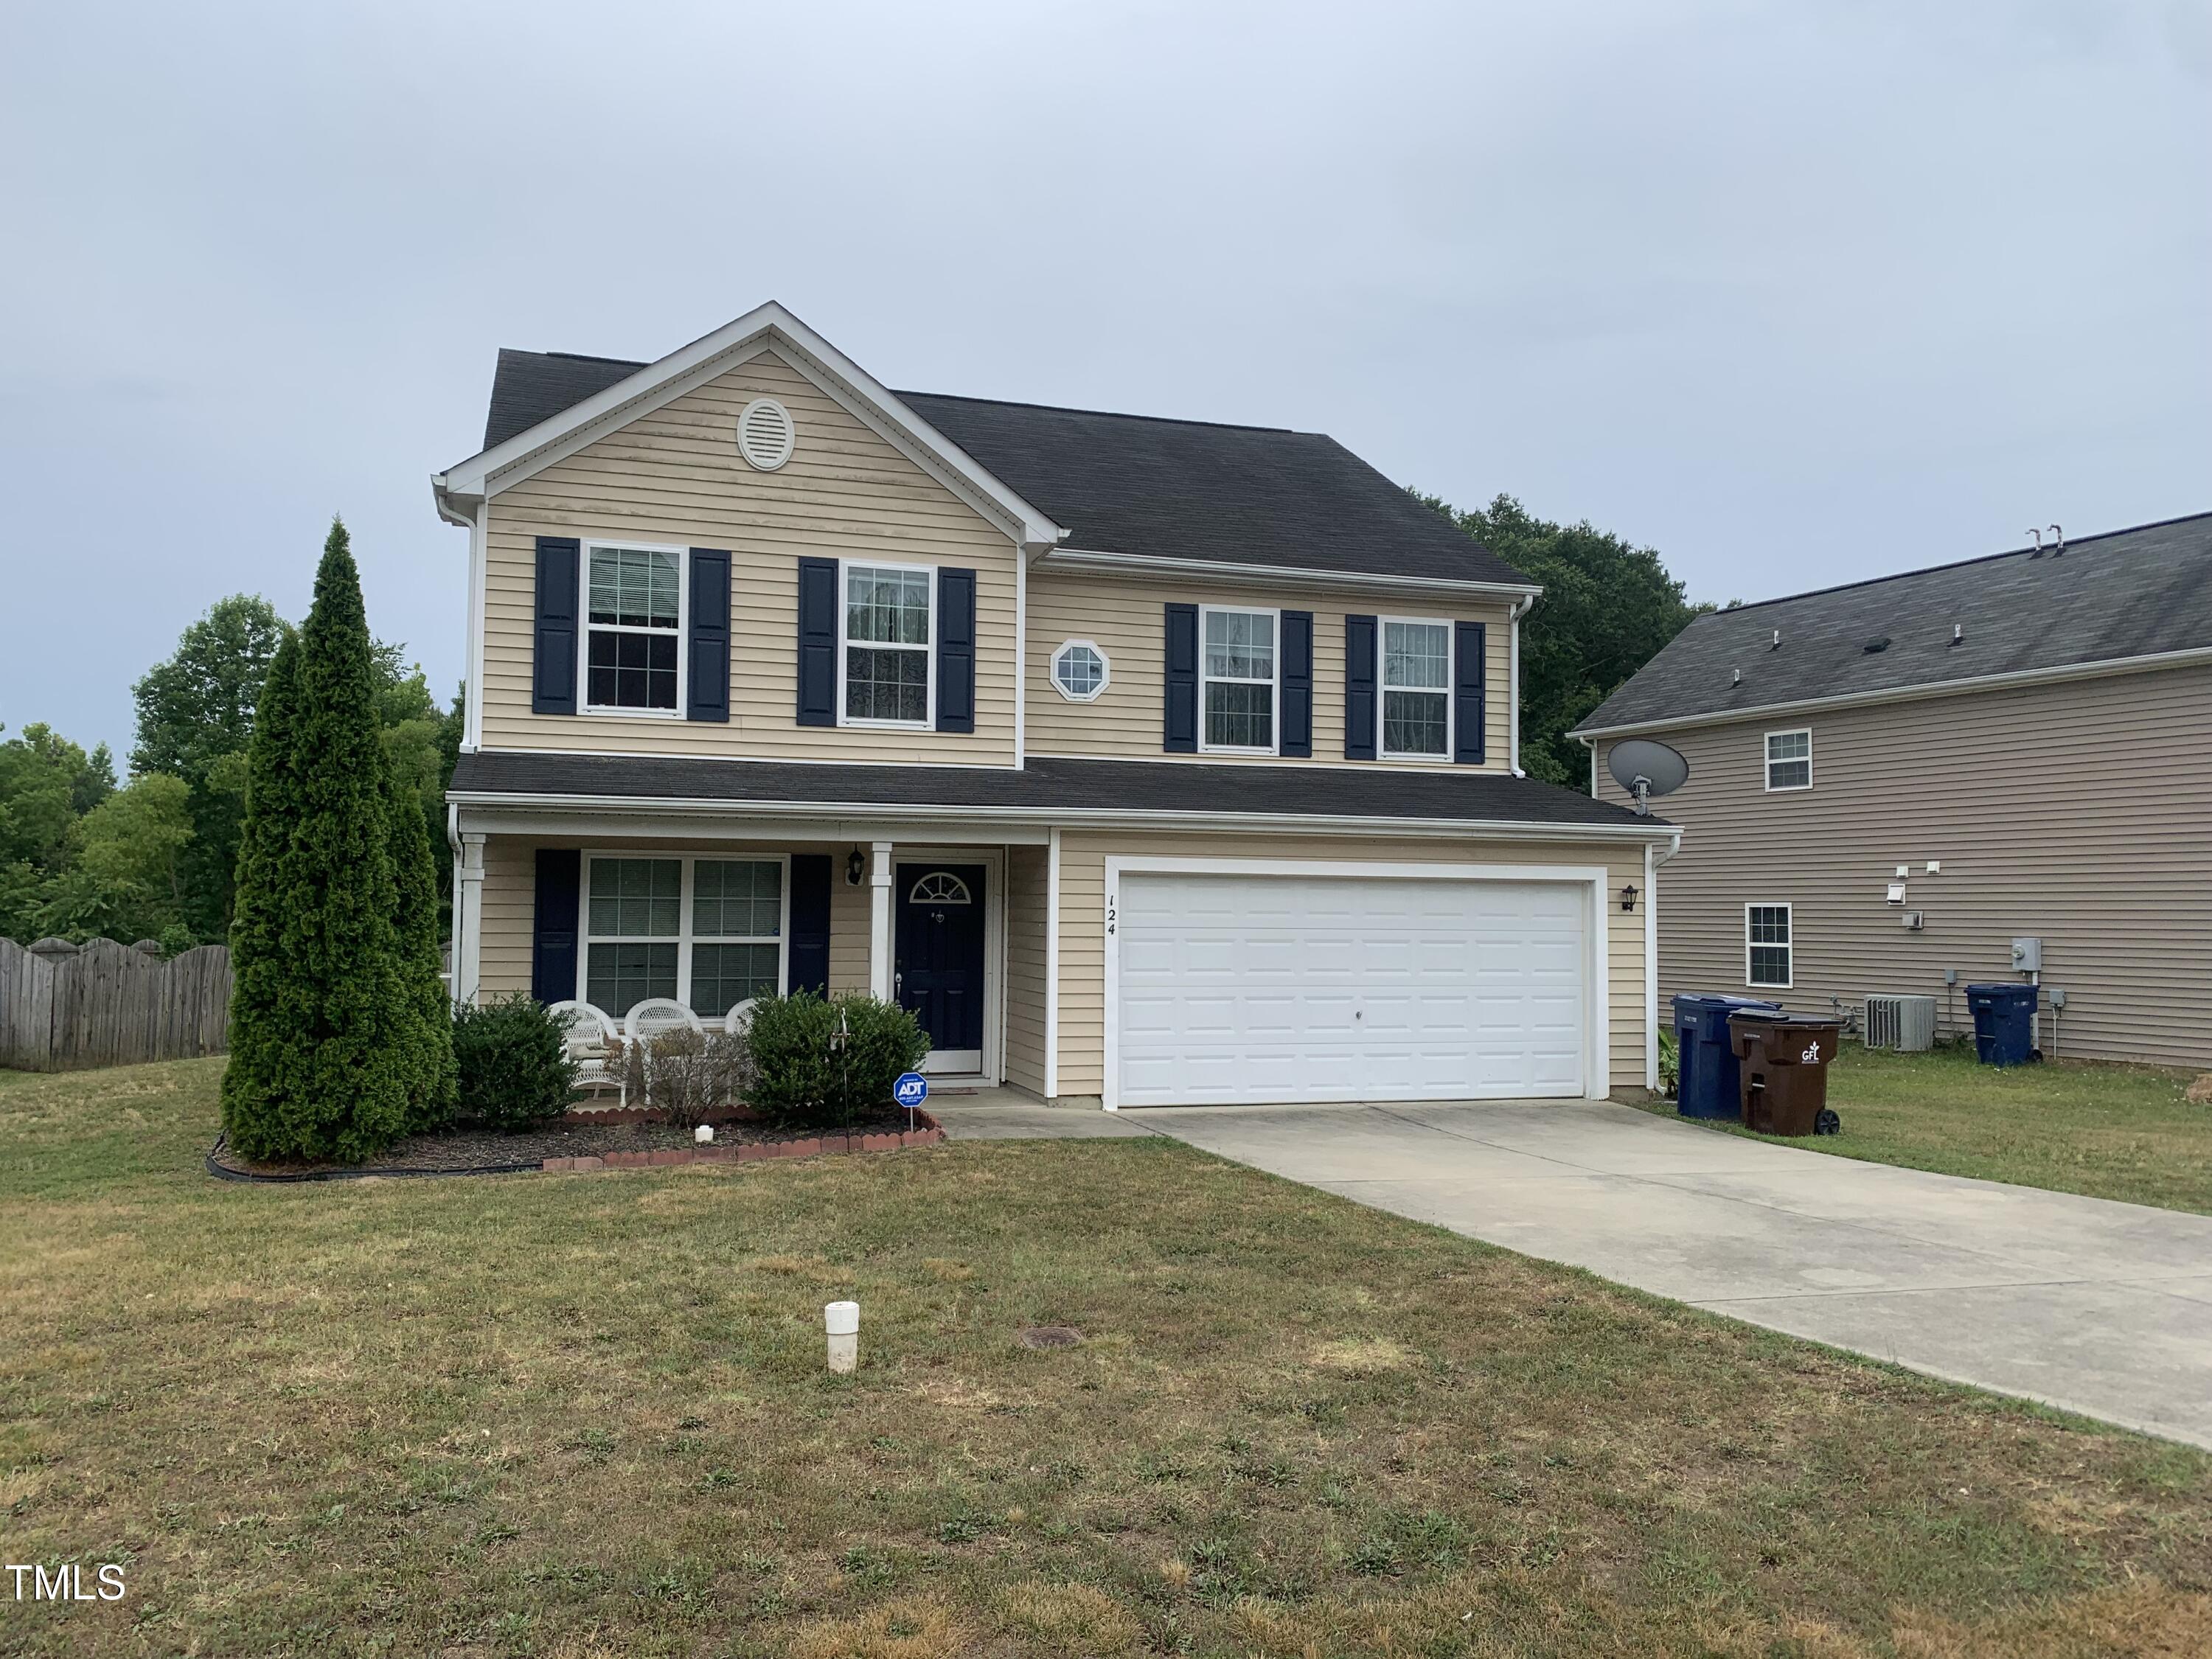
[940, 887]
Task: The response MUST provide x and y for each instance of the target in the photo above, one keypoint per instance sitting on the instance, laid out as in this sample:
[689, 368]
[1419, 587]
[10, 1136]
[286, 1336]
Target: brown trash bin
[1783, 1069]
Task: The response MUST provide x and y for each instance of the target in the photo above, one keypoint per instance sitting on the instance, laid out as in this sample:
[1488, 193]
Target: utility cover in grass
[1049, 1336]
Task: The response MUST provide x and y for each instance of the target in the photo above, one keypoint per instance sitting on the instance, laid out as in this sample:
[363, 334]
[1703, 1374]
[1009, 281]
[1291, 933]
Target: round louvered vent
[765, 433]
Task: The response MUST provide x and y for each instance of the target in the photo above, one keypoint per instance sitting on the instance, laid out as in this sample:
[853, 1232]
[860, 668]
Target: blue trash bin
[2004, 1023]
[1706, 1065]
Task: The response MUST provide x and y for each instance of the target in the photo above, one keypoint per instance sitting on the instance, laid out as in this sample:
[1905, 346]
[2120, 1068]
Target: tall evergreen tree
[432, 1084]
[332, 1073]
[252, 1081]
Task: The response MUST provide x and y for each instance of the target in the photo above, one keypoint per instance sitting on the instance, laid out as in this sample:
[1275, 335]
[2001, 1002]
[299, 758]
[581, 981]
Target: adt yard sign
[911, 1090]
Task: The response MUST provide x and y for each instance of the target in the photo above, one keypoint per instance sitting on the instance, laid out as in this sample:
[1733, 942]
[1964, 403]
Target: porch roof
[1044, 791]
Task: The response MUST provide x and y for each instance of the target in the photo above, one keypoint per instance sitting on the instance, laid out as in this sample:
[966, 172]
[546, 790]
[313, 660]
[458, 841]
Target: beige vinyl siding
[510, 904]
[2074, 812]
[1126, 618]
[674, 478]
[1082, 910]
[1028, 873]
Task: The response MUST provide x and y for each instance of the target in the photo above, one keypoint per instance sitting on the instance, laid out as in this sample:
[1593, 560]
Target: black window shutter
[807, 963]
[560, 593]
[818, 641]
[1298, 683]
[708, 698]
[1360, 688]
[956, 650]
[1470, 688]
[553, 923]
[1181, 737]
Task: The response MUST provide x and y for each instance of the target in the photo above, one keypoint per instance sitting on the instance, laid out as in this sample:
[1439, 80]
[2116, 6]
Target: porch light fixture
[1628, 896]
[856, 867]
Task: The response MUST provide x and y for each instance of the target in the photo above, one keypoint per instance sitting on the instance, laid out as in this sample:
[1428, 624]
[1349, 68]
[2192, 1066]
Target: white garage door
[1237, 987]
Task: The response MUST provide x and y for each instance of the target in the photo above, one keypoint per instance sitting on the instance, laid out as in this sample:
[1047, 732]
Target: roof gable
[609, 393]
[2126, 594]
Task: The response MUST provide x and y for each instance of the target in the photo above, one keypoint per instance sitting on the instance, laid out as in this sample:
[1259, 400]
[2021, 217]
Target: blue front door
[939, 960]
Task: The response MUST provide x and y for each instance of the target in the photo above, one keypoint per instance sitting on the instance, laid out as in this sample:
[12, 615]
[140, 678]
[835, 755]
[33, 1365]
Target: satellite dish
[1645, 768]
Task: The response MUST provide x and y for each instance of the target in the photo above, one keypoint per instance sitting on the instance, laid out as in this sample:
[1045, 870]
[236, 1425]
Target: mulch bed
[570, 1144]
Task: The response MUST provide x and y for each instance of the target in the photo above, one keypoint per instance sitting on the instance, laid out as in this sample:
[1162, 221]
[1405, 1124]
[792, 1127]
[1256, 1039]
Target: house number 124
[1110, 915]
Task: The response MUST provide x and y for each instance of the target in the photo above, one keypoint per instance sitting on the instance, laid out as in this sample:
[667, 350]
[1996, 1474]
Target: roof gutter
[2195, 656]
[1216, 570]
[1651, 830]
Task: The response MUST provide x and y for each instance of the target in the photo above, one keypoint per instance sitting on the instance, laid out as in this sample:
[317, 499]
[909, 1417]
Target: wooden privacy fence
[66, 1007]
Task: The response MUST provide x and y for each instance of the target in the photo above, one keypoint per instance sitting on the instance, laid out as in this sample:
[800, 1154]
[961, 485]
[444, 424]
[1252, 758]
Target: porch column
[880, 921]
[468, 919]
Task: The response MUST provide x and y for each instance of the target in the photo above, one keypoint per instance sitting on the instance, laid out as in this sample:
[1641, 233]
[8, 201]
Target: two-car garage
[1232, 984]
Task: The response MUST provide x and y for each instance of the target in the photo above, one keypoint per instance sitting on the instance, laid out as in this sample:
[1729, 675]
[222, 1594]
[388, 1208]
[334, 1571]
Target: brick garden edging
[755, 1151]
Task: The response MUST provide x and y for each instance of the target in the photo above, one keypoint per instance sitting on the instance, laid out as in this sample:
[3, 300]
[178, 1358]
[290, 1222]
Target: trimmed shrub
[805, 1078]
[511, 1058]
[690, 1075]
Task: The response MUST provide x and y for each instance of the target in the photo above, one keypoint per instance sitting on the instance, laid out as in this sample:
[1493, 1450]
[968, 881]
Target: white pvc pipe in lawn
[841, 1320]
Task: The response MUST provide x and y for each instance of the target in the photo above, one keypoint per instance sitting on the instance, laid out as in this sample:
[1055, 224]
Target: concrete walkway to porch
[2100, 1308]
[1004, 1113]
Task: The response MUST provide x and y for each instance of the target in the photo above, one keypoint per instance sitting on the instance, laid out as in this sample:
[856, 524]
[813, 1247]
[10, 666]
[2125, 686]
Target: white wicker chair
[739, 1020]
[650, 1018]
[593, 1044]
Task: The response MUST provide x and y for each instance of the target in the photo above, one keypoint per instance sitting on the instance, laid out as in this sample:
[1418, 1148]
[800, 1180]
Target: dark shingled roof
[1046, 786]
[2125, 593]
[1132, 484]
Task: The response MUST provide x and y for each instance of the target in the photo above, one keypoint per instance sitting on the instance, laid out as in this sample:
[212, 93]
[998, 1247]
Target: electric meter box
[2027, 955]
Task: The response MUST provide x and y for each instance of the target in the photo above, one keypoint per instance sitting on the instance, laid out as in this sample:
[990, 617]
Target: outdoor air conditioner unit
[1905, 1024]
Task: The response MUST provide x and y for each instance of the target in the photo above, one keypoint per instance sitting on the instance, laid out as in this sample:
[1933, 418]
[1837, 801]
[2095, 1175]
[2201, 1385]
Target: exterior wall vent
[766, 434]
[1905, 1024]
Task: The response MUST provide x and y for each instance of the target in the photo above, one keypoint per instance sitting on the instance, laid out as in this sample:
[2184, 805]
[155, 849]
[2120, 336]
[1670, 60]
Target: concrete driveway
[2103, 1309]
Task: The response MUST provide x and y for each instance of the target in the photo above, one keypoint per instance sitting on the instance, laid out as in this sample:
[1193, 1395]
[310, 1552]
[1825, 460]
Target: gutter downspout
[1519, 609]
[1653, 858]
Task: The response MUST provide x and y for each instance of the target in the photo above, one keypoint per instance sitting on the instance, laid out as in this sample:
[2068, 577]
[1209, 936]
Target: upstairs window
[1766, 946]
[1416, 688]
[887, 644]
[1237, 669]
[634, 598]
[1789, 760]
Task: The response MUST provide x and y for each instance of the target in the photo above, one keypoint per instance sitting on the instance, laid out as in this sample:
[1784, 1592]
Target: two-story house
[1893, 781]
[1149, 761]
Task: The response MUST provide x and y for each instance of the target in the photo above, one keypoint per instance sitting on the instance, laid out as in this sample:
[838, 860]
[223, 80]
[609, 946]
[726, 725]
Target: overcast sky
[1795, 293]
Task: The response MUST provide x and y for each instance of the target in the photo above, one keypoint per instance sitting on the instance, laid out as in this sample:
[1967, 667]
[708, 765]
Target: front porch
[954, 930]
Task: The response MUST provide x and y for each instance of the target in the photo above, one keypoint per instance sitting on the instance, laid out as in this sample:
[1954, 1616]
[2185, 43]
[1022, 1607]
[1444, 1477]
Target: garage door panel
[1252, 988]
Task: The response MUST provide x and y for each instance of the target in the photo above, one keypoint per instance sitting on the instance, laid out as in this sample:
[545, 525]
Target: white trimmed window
[884, 652]
[1789, 760]
[1767, 947]
[1416, 711]
[634, 654]
[707, 931]
[1080, 670]
[1236, 663]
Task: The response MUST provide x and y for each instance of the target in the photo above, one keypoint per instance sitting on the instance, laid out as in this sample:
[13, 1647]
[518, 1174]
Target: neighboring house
[1892, 780]
[1149, 761]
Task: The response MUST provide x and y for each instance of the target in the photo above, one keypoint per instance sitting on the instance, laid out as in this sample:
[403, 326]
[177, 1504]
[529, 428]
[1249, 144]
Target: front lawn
[2109, 1130]
[586, 1415]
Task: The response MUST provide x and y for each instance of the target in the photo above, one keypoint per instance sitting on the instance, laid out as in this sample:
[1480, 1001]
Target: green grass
[587, 1415]
[2109, 1130]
